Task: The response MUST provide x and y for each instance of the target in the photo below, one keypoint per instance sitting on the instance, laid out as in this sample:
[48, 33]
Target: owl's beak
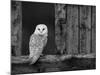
[40, 31]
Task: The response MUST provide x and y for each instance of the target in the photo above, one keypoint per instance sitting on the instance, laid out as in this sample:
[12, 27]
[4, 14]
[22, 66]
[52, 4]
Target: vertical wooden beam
[20, 30]
[75, 29]
[72, 29]
[79, 30]
[93, 35]
[69, 29]
[82, 31]
[88, 31]
[16, 27]
[85, 29]
[60, 24]
[57, 28]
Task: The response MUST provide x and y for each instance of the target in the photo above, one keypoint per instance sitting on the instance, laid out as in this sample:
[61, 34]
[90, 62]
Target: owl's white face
[41, 29]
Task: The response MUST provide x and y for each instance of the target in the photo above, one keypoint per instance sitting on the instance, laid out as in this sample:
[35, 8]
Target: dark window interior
[34, 13]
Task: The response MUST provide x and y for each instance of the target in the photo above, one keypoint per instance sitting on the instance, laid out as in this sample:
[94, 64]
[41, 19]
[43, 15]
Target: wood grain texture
[93, 35]
[49, 58]
[16, 27]
[72, 29]
[69, 29]
[60, 27]
[85, 29]
[77, 28]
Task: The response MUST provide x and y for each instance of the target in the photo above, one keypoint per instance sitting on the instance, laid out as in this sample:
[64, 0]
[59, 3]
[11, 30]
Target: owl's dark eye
[43, 29]
[38, 29]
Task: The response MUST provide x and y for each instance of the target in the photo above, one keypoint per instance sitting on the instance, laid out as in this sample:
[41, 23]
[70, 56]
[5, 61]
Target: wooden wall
[75, 29]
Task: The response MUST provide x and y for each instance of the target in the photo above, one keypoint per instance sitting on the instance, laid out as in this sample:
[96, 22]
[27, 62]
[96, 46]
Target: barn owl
[38, 41]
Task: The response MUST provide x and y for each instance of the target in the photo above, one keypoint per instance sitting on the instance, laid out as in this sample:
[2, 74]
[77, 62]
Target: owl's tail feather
[30, 60]
[26, 60]
[33, 59]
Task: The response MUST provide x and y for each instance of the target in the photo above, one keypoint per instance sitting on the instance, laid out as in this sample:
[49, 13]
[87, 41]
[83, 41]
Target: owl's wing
[32, 45]
[36, 45]
[45, 41]
[34, 41]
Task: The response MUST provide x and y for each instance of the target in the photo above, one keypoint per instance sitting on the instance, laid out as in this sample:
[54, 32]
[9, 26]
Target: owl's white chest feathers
[37, 41]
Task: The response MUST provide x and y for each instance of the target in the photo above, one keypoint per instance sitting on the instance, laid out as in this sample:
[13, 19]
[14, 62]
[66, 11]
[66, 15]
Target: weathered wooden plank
[16, 27]
[88, 30]
[82, 32]
[93, 35]
[50, 58]
[60, 27]
[74, 29]
[85, 29]
[20, 30]
[69, 31]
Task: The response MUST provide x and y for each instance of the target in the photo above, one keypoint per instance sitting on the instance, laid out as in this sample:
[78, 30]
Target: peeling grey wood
[69, 29]
[88, 31]
[72, 29]
[60, 27]
[74, 23]
[50, 58]
[85, 29]
[16, 27]
[78, 29]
